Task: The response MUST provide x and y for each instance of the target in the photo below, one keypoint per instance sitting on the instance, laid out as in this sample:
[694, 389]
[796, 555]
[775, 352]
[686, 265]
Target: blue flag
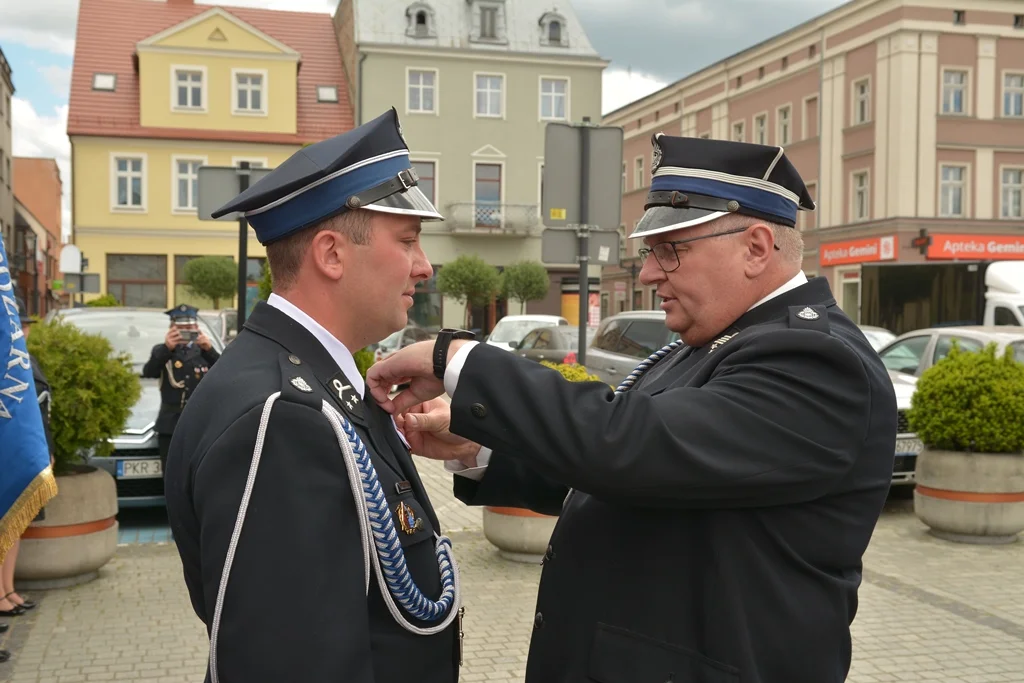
[26, 480]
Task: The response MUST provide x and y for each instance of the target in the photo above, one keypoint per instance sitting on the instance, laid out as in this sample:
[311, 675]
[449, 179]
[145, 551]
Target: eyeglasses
[667, 254]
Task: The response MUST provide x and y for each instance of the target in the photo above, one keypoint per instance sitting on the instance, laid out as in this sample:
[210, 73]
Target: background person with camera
[179, 363]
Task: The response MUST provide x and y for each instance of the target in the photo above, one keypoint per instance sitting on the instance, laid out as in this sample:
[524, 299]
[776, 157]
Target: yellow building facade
[208, 87]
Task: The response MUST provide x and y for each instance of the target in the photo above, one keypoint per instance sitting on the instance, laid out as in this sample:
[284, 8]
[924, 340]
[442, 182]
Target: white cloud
[59, 78]
[39, 135]
[41, 24]
[620, 86]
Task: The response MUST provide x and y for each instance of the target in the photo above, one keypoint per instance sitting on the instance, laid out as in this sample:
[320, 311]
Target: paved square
[929, 611]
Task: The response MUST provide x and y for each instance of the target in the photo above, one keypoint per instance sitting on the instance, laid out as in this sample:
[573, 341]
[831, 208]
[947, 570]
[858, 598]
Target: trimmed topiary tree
[968, 411]
[469, 280]
[211, 277]
[92, 390]
[525, 281]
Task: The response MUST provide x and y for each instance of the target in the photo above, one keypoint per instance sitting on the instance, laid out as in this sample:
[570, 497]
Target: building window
[487, 194]
[253, 162]
[129, 182]
[249, 95]
[1018, 20]
[188, 86]
[1013, 192]
[811, 51]
[422, 28]
[1013, 95]
[326, 93]
[427, 172]
[638, 173]
[785, 63]
[860, 208]
[810, 122]
[760, 73]
[554, 96]
[186, 183]
[489, 95]
[422, 91]
[953, 188]
[489, 22]
[861, 102]
[761, 129]
[104, 82]
[138, 280]
[959, 17]
[784, 125]
[954, 92]
[737, 131]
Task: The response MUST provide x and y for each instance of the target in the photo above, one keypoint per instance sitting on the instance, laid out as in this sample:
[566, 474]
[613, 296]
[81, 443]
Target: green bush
[92, 390]
[971, 401]
[573, 373]
[364, 359]
[105, 300]
[266, 282]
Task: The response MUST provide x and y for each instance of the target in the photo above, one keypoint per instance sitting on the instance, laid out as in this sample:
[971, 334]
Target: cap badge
[808, 314]
[301, 385]
[655, 157]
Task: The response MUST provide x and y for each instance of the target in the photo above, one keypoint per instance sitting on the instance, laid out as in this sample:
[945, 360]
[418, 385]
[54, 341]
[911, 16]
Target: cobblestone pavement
[929, 611]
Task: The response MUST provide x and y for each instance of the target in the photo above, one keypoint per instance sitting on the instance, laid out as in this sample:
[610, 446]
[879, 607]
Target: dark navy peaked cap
[183, 312]
[366, 168]
[698, 180]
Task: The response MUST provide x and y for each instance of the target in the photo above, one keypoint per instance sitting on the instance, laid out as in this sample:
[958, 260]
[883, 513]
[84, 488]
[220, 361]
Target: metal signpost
[581, 190]
[217, 186]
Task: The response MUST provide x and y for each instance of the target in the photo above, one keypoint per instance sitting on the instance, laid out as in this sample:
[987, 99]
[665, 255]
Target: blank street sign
[560, 185]
[218, 185]
[559, 245]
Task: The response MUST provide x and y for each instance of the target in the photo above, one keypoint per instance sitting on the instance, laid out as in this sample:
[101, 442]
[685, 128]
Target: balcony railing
[488, 218]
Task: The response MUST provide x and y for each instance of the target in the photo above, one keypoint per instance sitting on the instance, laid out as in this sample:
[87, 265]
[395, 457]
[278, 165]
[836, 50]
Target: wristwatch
[444, 338]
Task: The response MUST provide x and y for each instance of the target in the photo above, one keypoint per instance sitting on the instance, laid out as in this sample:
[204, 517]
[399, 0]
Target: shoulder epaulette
[298, 385]
[809, 318]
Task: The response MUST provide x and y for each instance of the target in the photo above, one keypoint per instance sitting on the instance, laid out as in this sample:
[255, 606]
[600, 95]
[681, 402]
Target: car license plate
[139, 469]
[911, 446]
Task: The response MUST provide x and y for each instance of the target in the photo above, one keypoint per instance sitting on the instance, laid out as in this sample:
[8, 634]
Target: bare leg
[7, 579]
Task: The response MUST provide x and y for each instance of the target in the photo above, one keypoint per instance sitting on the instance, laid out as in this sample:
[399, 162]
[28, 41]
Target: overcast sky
[650, 43]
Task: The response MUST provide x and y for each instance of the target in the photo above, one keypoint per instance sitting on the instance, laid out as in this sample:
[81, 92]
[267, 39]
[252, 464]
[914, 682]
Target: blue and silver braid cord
[646, 365]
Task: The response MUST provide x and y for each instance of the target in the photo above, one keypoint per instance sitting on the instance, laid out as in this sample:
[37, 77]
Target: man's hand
[426, 428]
[413, 365]
[173, 338]
[204, 342]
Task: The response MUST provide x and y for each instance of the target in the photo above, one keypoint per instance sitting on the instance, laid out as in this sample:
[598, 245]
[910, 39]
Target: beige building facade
[904, 117]
[6, 155]
[475, 84]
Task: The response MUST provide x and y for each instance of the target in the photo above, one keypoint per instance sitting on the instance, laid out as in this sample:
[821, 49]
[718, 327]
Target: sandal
[24, 604]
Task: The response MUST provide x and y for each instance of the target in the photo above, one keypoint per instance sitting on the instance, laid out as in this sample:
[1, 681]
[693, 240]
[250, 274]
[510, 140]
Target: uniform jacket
[44, 398]
[296, 607]
[721, 507]
[179, 372]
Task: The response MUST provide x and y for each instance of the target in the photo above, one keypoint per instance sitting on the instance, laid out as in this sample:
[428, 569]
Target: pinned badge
[407, 519]
[301, 385]
[721, 340]
[808, 314]
[177, 363]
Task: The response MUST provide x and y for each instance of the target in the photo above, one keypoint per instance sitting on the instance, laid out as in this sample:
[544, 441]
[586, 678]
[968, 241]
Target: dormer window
[488, 21]
[553, 30]
[104, 82]
[420, 17]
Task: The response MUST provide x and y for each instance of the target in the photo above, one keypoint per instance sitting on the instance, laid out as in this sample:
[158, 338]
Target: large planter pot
[971, 497]
[77, 536]
[520, 535]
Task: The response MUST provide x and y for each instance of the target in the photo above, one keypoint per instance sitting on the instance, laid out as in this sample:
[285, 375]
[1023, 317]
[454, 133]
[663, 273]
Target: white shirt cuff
[475, 473]
[451, 373]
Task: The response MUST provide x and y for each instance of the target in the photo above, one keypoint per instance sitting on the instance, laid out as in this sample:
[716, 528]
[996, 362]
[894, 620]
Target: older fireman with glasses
[714, 509]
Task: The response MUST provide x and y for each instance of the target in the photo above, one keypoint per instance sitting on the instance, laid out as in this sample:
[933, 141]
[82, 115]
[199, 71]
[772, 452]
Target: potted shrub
[519, 534]
[968, 410]
[92, 393]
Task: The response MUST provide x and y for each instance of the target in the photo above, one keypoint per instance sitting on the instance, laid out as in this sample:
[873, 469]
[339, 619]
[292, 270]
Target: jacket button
[478, 410]
[538, 621]
[294, 360]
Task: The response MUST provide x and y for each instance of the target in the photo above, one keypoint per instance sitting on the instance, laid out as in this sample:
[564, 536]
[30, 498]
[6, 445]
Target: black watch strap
[441, 344]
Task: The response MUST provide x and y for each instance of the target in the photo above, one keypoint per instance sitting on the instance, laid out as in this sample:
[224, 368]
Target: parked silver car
[910, 354]
[135, 463]
[623, 340]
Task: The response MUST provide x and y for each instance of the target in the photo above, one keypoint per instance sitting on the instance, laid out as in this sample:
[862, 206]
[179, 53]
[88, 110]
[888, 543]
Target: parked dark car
[135, 463]
[554, 343]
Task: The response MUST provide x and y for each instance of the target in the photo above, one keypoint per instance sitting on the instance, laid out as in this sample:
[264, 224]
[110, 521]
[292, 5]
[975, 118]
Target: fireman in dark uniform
[179, 363]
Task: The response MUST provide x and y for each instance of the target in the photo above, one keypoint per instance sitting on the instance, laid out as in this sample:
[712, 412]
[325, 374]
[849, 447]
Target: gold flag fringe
[25, 509]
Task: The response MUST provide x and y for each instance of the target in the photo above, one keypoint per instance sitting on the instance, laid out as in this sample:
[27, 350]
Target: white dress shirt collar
[796, 281]
[341, 355]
